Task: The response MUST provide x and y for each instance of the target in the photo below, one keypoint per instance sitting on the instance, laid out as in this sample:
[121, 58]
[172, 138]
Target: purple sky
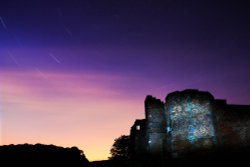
[63, 61]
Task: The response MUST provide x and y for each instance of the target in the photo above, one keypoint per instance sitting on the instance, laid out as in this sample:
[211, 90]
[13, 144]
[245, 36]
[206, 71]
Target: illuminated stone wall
[190, 123]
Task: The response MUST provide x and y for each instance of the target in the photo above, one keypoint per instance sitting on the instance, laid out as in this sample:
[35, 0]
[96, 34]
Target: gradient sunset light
[76, 73]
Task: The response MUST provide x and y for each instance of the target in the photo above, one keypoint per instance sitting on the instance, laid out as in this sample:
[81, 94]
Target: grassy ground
[217, 158]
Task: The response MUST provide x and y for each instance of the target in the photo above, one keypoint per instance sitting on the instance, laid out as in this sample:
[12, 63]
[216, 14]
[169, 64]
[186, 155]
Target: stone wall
[138, 138]
[233, 125]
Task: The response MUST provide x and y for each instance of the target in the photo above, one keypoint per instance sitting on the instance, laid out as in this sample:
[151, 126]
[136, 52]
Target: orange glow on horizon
[66, 110]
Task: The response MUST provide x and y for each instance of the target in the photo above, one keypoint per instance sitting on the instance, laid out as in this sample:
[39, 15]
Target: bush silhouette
[39, 154]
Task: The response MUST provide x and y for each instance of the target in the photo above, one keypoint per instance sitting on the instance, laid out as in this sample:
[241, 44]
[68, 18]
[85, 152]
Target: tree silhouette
[121, 148]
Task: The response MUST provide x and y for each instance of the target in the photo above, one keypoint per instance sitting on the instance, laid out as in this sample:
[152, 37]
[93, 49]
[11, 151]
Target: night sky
[76, 72]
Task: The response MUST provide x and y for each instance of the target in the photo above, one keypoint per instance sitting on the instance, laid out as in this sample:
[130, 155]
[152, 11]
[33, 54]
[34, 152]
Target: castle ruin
[189, 120]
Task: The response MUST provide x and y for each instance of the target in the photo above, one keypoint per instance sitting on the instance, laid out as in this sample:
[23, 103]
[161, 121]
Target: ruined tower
[189, 121]
[155, 124]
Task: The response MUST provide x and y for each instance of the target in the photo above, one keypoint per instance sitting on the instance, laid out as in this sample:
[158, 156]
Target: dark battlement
[152, 101]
